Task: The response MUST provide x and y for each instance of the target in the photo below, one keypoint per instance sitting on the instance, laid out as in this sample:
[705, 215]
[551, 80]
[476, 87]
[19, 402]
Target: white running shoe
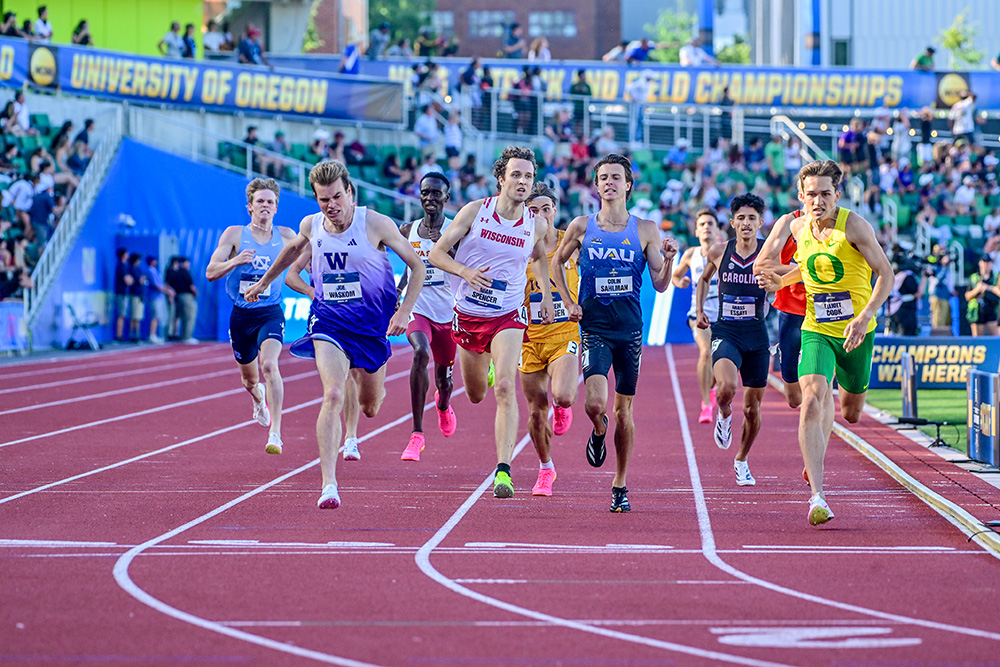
[260, 411]
[329, 499]
[819, 511]
[743, 476]
[350, 450]
[273, 444]
[723, 430]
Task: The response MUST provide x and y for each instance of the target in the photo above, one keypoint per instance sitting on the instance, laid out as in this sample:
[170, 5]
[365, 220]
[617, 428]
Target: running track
[141, 523]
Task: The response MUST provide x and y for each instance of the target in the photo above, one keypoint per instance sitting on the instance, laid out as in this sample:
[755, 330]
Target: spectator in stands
[9, 168]
[617, 54]
[20, 195]
[401, 49]
[902, 143]
[477, 189]
[28, 30]
[137, 296]
[924, 62]
[10, 120]
[907, 291]
[925, 146]
[186, 306]
[81, 34]
[693, 54]
[639, 53]
[230, 42]
[43, 29]
[448, 45]
[774, 157]
[848, 145]
[540, 49]
[61, 157]
[426, 44]
[983, 299]
[888, 175]
[426, 129]
[637, 92]
[408, 176]
[606, 141]
[280, 146]
[942, 286]
[453, 139]
[42, 214]
[23, 114]
[212, 43]
[962, 117]
[350, 61]
[514, 44]
[335, 150]
[428, 165]
[378, 41]
[123, 280]
[9, 27]
[991, 222]
[250, 51]
[14, 273]
[558, 137]
[391, 171]
[172, 43]
[49, 178]
[156, 297]
[580, 88]
[677, 156]
[755, 156]
[964, 196]
[189, 48]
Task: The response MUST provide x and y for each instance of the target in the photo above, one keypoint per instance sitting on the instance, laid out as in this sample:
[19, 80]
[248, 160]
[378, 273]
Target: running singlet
[711, 306]
[435, 299]
[353, 279]
[838, 280]
[561, 328]
[791, 299]
[503, 245]
[611, 266]
[242, 277]
[742, 302]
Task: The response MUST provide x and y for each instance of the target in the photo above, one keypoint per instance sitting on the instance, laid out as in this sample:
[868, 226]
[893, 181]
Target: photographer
[907, 290]
[983, 299]
[942, 285]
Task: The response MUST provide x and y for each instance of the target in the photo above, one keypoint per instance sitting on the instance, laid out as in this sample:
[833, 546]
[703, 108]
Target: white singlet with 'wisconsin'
[435, 301]
[711, 305]
[503, 245]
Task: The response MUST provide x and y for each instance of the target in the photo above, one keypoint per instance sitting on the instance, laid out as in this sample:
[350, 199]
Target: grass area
[948, 405]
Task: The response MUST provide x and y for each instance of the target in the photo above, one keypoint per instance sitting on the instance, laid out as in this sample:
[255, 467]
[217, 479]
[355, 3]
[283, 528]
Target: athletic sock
[503, 467]
[547, 466]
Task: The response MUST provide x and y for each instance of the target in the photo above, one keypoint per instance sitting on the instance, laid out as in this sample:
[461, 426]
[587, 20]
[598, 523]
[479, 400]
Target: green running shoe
[491, 375]
[502, 486]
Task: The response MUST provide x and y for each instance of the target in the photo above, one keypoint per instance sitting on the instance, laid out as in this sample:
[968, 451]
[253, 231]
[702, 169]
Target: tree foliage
[737, 53]
[960, 40]
[406, 17]
[312, 39]
[673, 29]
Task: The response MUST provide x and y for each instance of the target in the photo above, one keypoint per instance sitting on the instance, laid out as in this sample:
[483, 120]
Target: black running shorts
[623, 352]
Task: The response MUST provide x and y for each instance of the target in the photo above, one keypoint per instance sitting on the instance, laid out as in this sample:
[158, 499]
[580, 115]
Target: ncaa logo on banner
[43, 67]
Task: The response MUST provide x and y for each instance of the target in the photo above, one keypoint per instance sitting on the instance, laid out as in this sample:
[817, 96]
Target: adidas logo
[353, 242]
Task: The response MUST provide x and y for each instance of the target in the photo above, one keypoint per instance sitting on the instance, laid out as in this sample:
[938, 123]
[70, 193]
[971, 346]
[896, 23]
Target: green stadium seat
[41, 122]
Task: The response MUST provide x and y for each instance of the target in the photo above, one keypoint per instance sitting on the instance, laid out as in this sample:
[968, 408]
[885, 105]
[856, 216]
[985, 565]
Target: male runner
[739, 336]
[706, 226]
[429, 329]
[790, 302]
[550, 351]
[352, 309]
[256, 328]
[614, 249]
[498, 237]
[837, 253]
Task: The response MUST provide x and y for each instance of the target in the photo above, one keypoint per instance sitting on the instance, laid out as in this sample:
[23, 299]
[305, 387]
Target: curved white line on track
[423, 560]
[709, 550]
[121, 568]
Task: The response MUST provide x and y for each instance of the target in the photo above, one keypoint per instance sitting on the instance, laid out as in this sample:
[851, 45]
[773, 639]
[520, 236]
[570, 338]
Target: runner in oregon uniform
[837, 253]
[614, 248]
[429, 329]
[352, 310]
[256, 330]
[499, 236]
[549, 350]
[790, 302]
[739, 335]
[706, 226]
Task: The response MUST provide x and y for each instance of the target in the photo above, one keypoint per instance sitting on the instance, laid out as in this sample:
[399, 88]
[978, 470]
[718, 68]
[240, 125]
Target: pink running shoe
[447, 421]
[543, 487]
[413, 448]
[561, 419]
[706, 414]
[711, 398]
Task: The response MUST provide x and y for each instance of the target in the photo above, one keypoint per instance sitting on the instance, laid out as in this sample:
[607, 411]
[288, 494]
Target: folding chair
[83, 327]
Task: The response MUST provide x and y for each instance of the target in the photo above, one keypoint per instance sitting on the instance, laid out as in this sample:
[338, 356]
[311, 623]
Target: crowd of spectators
[145, 299]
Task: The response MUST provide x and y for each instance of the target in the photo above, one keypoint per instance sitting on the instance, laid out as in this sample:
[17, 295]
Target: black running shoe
[596, 451]
[619, 501]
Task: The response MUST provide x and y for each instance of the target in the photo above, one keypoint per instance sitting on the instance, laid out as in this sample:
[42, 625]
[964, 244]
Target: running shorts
[789, 344]
[475, 334]
[825, 355]
[752, 362]
[622, 352]
[439, 336]
[250, 327]
[536, 357]
[369, 353]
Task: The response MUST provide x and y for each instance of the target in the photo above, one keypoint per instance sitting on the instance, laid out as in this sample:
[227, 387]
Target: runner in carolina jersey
[498, 236]
[549, 350]
[706, 226]
[836, 255]
[739, 335]
[429, 329]
[256, 330]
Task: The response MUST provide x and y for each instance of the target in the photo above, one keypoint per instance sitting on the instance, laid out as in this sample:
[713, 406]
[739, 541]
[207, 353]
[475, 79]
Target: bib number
[248, 280]
[489, 297]
[434, 276]
[612, 282]
[559, 312]
[833, 307]
[342, 287]
[738, 308]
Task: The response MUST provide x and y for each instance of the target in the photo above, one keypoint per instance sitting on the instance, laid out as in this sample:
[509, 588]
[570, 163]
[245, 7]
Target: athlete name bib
[738, 308]
[559, 312]
[248, 280]
[833, 307]
[612, 282]
[342, 287]
[434, 276]
[489, 297]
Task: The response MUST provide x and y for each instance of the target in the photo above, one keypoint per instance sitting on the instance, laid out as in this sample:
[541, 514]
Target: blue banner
[983, 418]
[812, 87]
[214, 86]
[940, 362]
[13, 333]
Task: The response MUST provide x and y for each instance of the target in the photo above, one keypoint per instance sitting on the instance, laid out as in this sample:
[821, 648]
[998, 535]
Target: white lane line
[124, 580]
[423, 560]
[67, 363]
[168, 448]
[102, 376]
[711, 554]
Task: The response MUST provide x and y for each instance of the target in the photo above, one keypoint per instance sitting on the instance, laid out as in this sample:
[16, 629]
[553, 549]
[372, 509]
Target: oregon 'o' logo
[831, 265]
[950, 88]
[42, 66]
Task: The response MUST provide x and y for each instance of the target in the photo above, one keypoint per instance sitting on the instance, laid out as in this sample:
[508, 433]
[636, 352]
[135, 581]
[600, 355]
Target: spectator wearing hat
[172, 43]
[925, 61]
[378, 41]
[249, 50]
[693, 54]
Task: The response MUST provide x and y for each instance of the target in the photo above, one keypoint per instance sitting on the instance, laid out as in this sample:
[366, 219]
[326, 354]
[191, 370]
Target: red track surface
[189, 544]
